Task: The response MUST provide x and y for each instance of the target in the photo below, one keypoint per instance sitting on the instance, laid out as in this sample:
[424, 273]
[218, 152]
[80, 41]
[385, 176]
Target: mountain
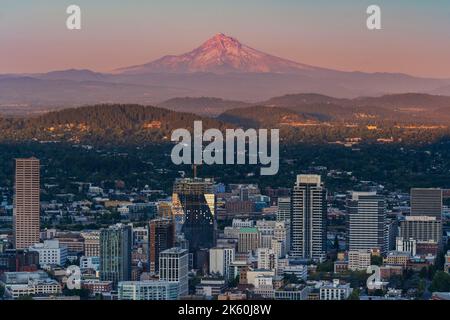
[220, 54]
[221, 67]
[72, 74]
[202, 105]
[407, 107]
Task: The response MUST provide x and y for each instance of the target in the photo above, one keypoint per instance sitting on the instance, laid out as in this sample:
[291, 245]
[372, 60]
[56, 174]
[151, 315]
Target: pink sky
[414, 39]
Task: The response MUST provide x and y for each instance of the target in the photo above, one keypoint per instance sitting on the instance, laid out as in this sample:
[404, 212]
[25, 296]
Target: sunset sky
[415, 38]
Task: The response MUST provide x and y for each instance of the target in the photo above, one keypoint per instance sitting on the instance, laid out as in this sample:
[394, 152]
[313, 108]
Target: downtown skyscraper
[308, 218]
[115, 253]
[174, 267]
[367, 224]
[161, 236]
[426, 202]
[194, 206]
[27, 203]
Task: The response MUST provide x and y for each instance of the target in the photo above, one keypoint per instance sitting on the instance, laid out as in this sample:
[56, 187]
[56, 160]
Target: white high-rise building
[174, 267]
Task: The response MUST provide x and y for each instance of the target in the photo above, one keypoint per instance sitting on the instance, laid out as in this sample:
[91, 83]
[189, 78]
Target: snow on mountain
[220, 54]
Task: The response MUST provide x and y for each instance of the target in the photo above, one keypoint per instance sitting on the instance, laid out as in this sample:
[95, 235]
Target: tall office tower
[115, 253]
[194, 200]
[91, 243]
[421, 229]
[174, 267]
[161, 236]
[284, 209]
[308, 218]
[26, 203]
[367, 224]
[426, 202]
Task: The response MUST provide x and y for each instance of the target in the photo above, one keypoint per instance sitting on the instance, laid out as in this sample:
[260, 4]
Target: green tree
[421, 288]
[234, 283]
[355, 294]
[441, 282]
[291, 278]
[82, 293]
[327, 266]
[376, 260]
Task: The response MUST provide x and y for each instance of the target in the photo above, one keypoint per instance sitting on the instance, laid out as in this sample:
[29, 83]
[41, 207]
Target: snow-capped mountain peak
[219, 54]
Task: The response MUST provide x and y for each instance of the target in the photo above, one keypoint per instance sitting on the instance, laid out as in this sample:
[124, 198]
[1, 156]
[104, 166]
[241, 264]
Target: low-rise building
[51, 252]
[335, 291]
[210, 287]
[96, 286]
[90, 263]
[397, 258]
[299, 270]
[19, 284]
[147, 290]
[293, 292]
[358, 260]
[340, 266]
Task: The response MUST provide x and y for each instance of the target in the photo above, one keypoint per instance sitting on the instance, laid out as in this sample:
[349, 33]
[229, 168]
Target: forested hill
[117, 124]
[102, 124]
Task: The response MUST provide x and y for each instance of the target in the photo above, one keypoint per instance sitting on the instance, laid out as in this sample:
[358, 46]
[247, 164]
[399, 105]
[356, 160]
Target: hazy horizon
[324, 34]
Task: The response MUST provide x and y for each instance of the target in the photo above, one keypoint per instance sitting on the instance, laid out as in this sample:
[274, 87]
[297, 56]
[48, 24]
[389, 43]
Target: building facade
[51, 252]
[367, 228]
[308, 218]
[115, 253]
[174, 267]
[161, 236]
[426, 202]
[147, 290]
[26, 203]
[194, 203]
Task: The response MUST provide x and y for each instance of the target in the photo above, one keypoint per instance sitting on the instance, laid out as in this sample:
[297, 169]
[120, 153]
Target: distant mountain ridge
[221, 67]
[202, 105]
